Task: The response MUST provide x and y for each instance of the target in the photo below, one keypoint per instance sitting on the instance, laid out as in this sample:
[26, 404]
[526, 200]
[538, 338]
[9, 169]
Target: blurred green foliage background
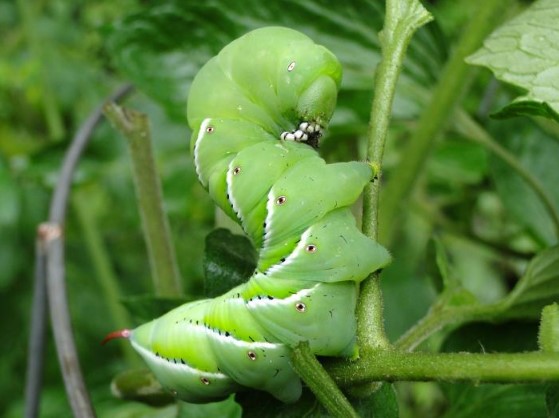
[60, 59]
[54, 71]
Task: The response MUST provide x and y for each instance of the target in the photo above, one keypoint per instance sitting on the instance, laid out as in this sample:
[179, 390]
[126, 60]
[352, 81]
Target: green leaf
[410, 14]
[525, 52]
[537, 152]
[495, 401]
[383, 403]
[538, 287]
[229, 261]
[153, 49]
[527, 108]
[437, 265]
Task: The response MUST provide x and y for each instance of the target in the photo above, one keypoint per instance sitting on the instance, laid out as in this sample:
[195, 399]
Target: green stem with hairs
[388, 365]
[321, 384]
[403, 18]
[441, 315]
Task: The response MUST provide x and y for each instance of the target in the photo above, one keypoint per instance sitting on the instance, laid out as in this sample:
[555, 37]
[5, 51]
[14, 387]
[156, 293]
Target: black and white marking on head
[307, 132]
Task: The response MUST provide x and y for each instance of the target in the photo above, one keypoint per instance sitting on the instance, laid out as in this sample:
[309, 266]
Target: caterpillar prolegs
[257, 111]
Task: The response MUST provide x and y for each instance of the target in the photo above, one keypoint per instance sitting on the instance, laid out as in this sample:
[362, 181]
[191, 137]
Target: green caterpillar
[254, 109]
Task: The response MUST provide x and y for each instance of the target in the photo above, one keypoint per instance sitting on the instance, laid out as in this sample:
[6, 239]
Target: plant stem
[51, 236]
[321, 384]
[440, 316]
[134, 126]
[403, 18]
[37, 334]
[477, 134]
[440, 108]
[387, 365]
[50, 268]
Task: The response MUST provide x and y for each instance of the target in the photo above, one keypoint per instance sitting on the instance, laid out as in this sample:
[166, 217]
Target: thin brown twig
[49, 276]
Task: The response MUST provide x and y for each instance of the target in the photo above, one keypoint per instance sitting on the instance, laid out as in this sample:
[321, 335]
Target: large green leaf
[162, 47]
[525, 52]
[382, 404]
[537, 152]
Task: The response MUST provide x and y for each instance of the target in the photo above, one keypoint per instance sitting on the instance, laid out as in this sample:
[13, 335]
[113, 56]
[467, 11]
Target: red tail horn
[123, 333]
